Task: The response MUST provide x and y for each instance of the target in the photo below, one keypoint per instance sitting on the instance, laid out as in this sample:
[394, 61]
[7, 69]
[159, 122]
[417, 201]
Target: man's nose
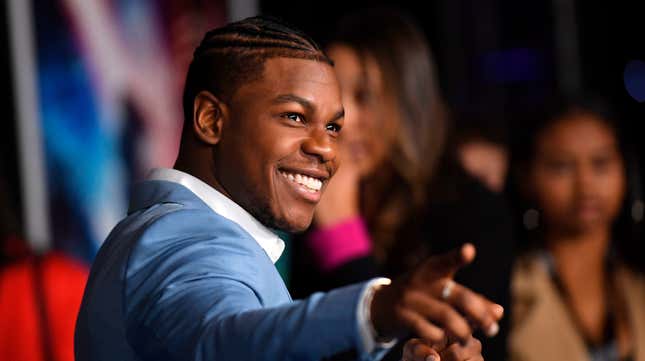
[320, 145]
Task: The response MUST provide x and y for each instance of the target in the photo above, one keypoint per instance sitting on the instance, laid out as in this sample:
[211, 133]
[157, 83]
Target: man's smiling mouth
[310, 184]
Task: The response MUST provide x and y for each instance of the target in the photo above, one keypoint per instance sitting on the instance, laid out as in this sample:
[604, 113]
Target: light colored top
[542, 327]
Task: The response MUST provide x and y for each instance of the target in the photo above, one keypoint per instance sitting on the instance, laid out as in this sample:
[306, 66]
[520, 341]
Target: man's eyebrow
[339, 114]
[289, 98]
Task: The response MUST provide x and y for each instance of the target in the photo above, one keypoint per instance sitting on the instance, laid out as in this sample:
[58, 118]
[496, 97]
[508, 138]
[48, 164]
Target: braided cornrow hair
[235, 54]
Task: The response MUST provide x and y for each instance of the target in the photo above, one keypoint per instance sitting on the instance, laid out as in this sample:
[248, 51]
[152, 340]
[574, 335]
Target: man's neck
[193, 164]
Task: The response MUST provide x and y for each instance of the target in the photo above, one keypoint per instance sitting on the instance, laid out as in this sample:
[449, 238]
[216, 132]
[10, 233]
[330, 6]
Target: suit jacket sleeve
[194, 298]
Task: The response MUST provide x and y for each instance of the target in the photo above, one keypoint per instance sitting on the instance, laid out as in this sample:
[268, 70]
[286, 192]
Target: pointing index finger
[446, 264]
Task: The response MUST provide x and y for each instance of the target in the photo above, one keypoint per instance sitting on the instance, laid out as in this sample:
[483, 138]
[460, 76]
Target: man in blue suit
[189, 274]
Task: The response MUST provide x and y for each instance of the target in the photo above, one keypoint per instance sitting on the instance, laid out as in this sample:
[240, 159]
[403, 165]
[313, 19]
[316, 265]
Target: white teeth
[311, 184]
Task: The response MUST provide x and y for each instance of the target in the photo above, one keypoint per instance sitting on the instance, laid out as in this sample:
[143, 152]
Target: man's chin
[292, 219]
[292, 225]
[293, 216]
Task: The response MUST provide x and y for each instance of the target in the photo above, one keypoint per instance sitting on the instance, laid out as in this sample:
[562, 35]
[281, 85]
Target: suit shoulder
[177, 220]
[179, 227]
[190, 244]
[193, 240]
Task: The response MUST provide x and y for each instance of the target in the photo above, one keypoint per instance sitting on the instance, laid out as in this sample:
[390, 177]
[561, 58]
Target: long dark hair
[399, 47]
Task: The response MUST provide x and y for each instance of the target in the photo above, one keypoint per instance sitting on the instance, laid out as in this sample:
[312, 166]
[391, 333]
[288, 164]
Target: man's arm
[225, 321]
[192, 304]
[194, 300]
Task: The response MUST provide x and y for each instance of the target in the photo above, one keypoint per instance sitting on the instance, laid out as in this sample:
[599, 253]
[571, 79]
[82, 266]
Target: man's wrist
[371, 337]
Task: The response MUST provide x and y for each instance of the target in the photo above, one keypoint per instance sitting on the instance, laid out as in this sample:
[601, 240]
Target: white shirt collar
[225, 207]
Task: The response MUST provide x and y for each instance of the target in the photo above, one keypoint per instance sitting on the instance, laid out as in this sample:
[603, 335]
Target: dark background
[499, 57]
[9, 170]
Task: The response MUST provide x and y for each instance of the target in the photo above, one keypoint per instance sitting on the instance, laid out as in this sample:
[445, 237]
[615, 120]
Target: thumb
[417, 350]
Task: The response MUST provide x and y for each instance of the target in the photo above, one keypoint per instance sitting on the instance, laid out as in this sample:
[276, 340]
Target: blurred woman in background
[394, 127]
[574, 298]
[372, 219]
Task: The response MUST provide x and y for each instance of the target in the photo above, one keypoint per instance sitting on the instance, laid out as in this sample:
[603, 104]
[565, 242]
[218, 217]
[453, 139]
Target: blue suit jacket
[176, 281]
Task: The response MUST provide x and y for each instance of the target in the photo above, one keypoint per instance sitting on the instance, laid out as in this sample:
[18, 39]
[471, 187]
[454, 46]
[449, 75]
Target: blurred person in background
[374, 216]
[482, 153]
[574, 296]
[39, 295]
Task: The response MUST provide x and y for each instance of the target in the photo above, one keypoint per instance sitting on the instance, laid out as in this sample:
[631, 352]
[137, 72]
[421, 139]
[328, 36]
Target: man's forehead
[310, 79]
[295, 70]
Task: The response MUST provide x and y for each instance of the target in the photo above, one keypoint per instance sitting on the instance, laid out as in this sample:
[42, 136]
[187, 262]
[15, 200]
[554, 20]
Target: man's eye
[333, 127]
[295, 117]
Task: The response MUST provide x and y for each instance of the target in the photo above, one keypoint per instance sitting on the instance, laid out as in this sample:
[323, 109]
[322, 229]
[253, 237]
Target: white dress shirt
[270, 243]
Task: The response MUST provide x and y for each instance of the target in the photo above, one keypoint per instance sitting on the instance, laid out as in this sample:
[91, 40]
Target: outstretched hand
[428, 303]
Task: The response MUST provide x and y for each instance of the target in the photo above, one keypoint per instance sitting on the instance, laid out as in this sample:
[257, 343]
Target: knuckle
[445, 312]
[448, 321]
[477, 309]
[463, 333]
[461, 353]
[433, 336]
[451, 353]
[477, 344]
[451, 319]
[470, 301]
[407, 299]
[418, 324]
[438, 284]
[411, 346]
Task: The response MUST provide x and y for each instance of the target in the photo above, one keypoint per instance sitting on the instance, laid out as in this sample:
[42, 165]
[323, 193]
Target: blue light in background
[634, 78]
[512, 66]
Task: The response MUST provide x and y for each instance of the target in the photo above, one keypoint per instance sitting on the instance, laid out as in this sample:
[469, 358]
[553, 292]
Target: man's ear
[208, 117]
